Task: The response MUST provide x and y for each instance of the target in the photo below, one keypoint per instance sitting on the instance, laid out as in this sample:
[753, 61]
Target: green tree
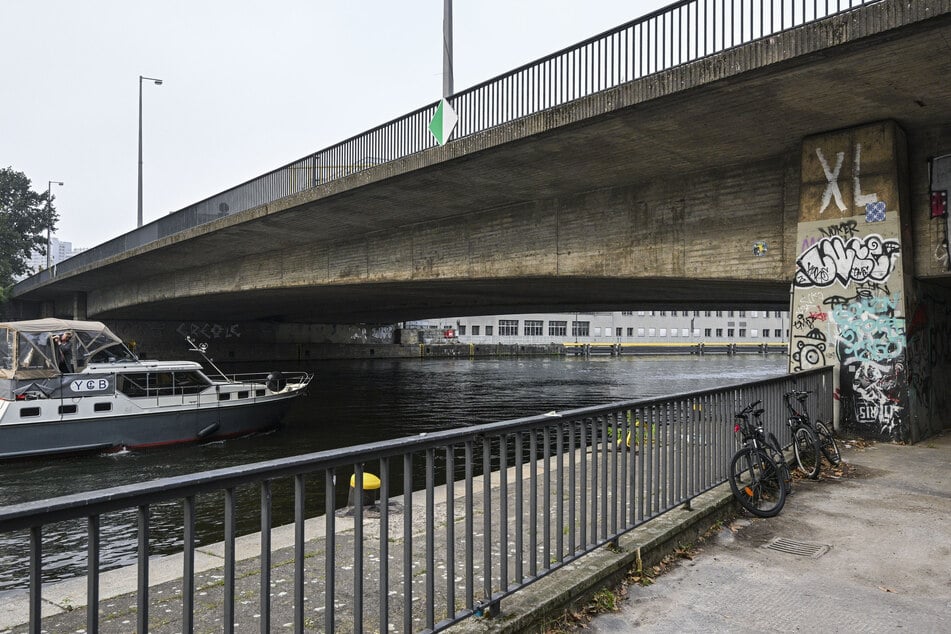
[25, 217]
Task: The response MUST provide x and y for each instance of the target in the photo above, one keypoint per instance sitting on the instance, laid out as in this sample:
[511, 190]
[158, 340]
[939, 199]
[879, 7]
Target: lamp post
[49, 196]
[157, 82]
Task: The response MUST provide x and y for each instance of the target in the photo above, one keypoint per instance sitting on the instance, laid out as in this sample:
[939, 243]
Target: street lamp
[49, 196]
[157, 82]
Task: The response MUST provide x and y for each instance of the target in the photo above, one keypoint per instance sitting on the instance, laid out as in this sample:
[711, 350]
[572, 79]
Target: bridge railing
[464, 518]
[681, 33]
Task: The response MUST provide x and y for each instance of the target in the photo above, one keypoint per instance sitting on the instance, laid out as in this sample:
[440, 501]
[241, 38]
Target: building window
[742, 332]
[707, 313]
[719, 313]
[650, 332]
[719, 332]
[742, 313]
[533, 327]
[508, 327]
[630, 332]
[640, 332]
[580, 328]
[462, 330]
[730, 331]
[488, 331]
[730, 314]
[475, 330]
[754, 333]
[557, 328]
[685, 313]
[706, 332]
[778, 333]
[597, 331]
[627, 312]
[663, 332]
[617, 332]
[754, 314]
[696, 332]
[766, 333]
[641, 313]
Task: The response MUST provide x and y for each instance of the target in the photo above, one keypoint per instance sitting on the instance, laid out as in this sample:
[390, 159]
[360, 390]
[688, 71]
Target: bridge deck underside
[646, 144]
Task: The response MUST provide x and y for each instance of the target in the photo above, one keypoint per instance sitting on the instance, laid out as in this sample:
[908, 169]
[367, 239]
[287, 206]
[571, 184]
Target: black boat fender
[209, 430]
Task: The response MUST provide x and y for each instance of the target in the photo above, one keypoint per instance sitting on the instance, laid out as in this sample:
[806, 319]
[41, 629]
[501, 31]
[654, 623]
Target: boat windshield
[116, 353]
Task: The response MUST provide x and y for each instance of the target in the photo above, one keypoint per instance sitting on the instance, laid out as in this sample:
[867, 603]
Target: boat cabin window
[102, 407]
[67, 409]
[28, 412]
[161, 383]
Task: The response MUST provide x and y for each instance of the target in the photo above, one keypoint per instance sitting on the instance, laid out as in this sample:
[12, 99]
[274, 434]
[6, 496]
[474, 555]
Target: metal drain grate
[793, 547]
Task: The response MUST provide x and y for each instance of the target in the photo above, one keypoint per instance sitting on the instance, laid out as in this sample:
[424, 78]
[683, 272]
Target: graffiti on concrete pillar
[869, 330]
[872, 396]
[832, 181]
[836, 260]
[809, 351]
[832, 191]
[209, 330]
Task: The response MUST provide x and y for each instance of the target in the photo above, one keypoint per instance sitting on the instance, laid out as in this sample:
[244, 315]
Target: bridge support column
[853, 291]
[79, 305]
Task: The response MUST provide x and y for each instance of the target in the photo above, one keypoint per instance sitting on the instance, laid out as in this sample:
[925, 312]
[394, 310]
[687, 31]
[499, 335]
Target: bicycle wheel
[776, 453]
[806, 447]
[756, 483]
[827, 443]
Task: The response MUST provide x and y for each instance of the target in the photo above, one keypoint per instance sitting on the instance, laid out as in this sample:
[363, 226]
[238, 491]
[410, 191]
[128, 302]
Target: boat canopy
[32, 349]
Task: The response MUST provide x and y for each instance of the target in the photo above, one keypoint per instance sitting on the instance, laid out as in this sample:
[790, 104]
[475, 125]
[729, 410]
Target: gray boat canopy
[32, 349]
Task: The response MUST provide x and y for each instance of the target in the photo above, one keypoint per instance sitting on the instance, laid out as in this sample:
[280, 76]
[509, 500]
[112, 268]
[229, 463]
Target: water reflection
[349, 403]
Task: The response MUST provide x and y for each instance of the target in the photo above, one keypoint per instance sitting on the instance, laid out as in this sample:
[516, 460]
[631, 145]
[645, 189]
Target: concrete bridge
[656, 165]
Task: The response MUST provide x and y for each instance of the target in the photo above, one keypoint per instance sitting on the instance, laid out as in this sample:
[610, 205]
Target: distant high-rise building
[59, 251]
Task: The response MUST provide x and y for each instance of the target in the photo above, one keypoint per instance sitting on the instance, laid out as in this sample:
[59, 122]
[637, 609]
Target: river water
[349, 403]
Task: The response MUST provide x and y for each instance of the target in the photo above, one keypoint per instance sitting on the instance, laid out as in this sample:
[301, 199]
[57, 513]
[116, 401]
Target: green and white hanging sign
[443, 122]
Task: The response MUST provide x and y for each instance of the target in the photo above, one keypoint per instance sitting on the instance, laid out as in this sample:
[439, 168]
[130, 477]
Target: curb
[531, 609]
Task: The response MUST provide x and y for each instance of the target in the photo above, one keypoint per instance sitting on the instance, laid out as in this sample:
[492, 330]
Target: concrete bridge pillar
[853, 291]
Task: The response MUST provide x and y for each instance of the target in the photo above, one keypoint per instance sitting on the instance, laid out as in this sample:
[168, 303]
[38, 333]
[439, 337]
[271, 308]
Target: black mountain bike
[767, 440]
[805, 440]
[823, 430]
[755, 477]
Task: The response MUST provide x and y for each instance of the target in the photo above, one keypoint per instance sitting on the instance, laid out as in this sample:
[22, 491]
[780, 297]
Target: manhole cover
[793, 547]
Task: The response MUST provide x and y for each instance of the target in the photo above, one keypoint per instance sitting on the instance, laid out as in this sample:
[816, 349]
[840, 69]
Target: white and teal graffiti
[847, 260]
[869, 330]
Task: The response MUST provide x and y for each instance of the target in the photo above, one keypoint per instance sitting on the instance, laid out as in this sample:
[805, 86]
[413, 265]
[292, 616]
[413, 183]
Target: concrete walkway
[882, 561]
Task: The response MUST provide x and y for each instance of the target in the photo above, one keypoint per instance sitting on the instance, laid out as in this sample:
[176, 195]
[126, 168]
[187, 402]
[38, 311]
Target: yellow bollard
[370, 483]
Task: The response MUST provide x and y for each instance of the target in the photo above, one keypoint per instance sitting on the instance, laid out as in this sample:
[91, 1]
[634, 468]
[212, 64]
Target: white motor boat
[72, 386]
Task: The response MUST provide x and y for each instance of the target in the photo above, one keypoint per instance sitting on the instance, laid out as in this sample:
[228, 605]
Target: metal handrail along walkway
[465, 517]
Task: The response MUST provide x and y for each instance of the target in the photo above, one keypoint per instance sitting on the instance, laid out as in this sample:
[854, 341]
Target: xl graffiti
[846, 261]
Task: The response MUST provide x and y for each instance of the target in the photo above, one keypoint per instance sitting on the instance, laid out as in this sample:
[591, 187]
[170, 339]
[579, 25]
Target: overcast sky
[248, 86]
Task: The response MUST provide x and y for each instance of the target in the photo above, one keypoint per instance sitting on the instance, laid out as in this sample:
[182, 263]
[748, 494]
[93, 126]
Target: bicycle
[805, 441]
[756, 480]
[768, 441]
[823, 430]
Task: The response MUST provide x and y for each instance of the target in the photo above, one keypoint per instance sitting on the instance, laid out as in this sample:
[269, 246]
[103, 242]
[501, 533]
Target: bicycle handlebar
[749, 409]
[800, 394]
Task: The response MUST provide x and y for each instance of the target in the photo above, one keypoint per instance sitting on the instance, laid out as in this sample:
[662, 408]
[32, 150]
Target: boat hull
[139, 430]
